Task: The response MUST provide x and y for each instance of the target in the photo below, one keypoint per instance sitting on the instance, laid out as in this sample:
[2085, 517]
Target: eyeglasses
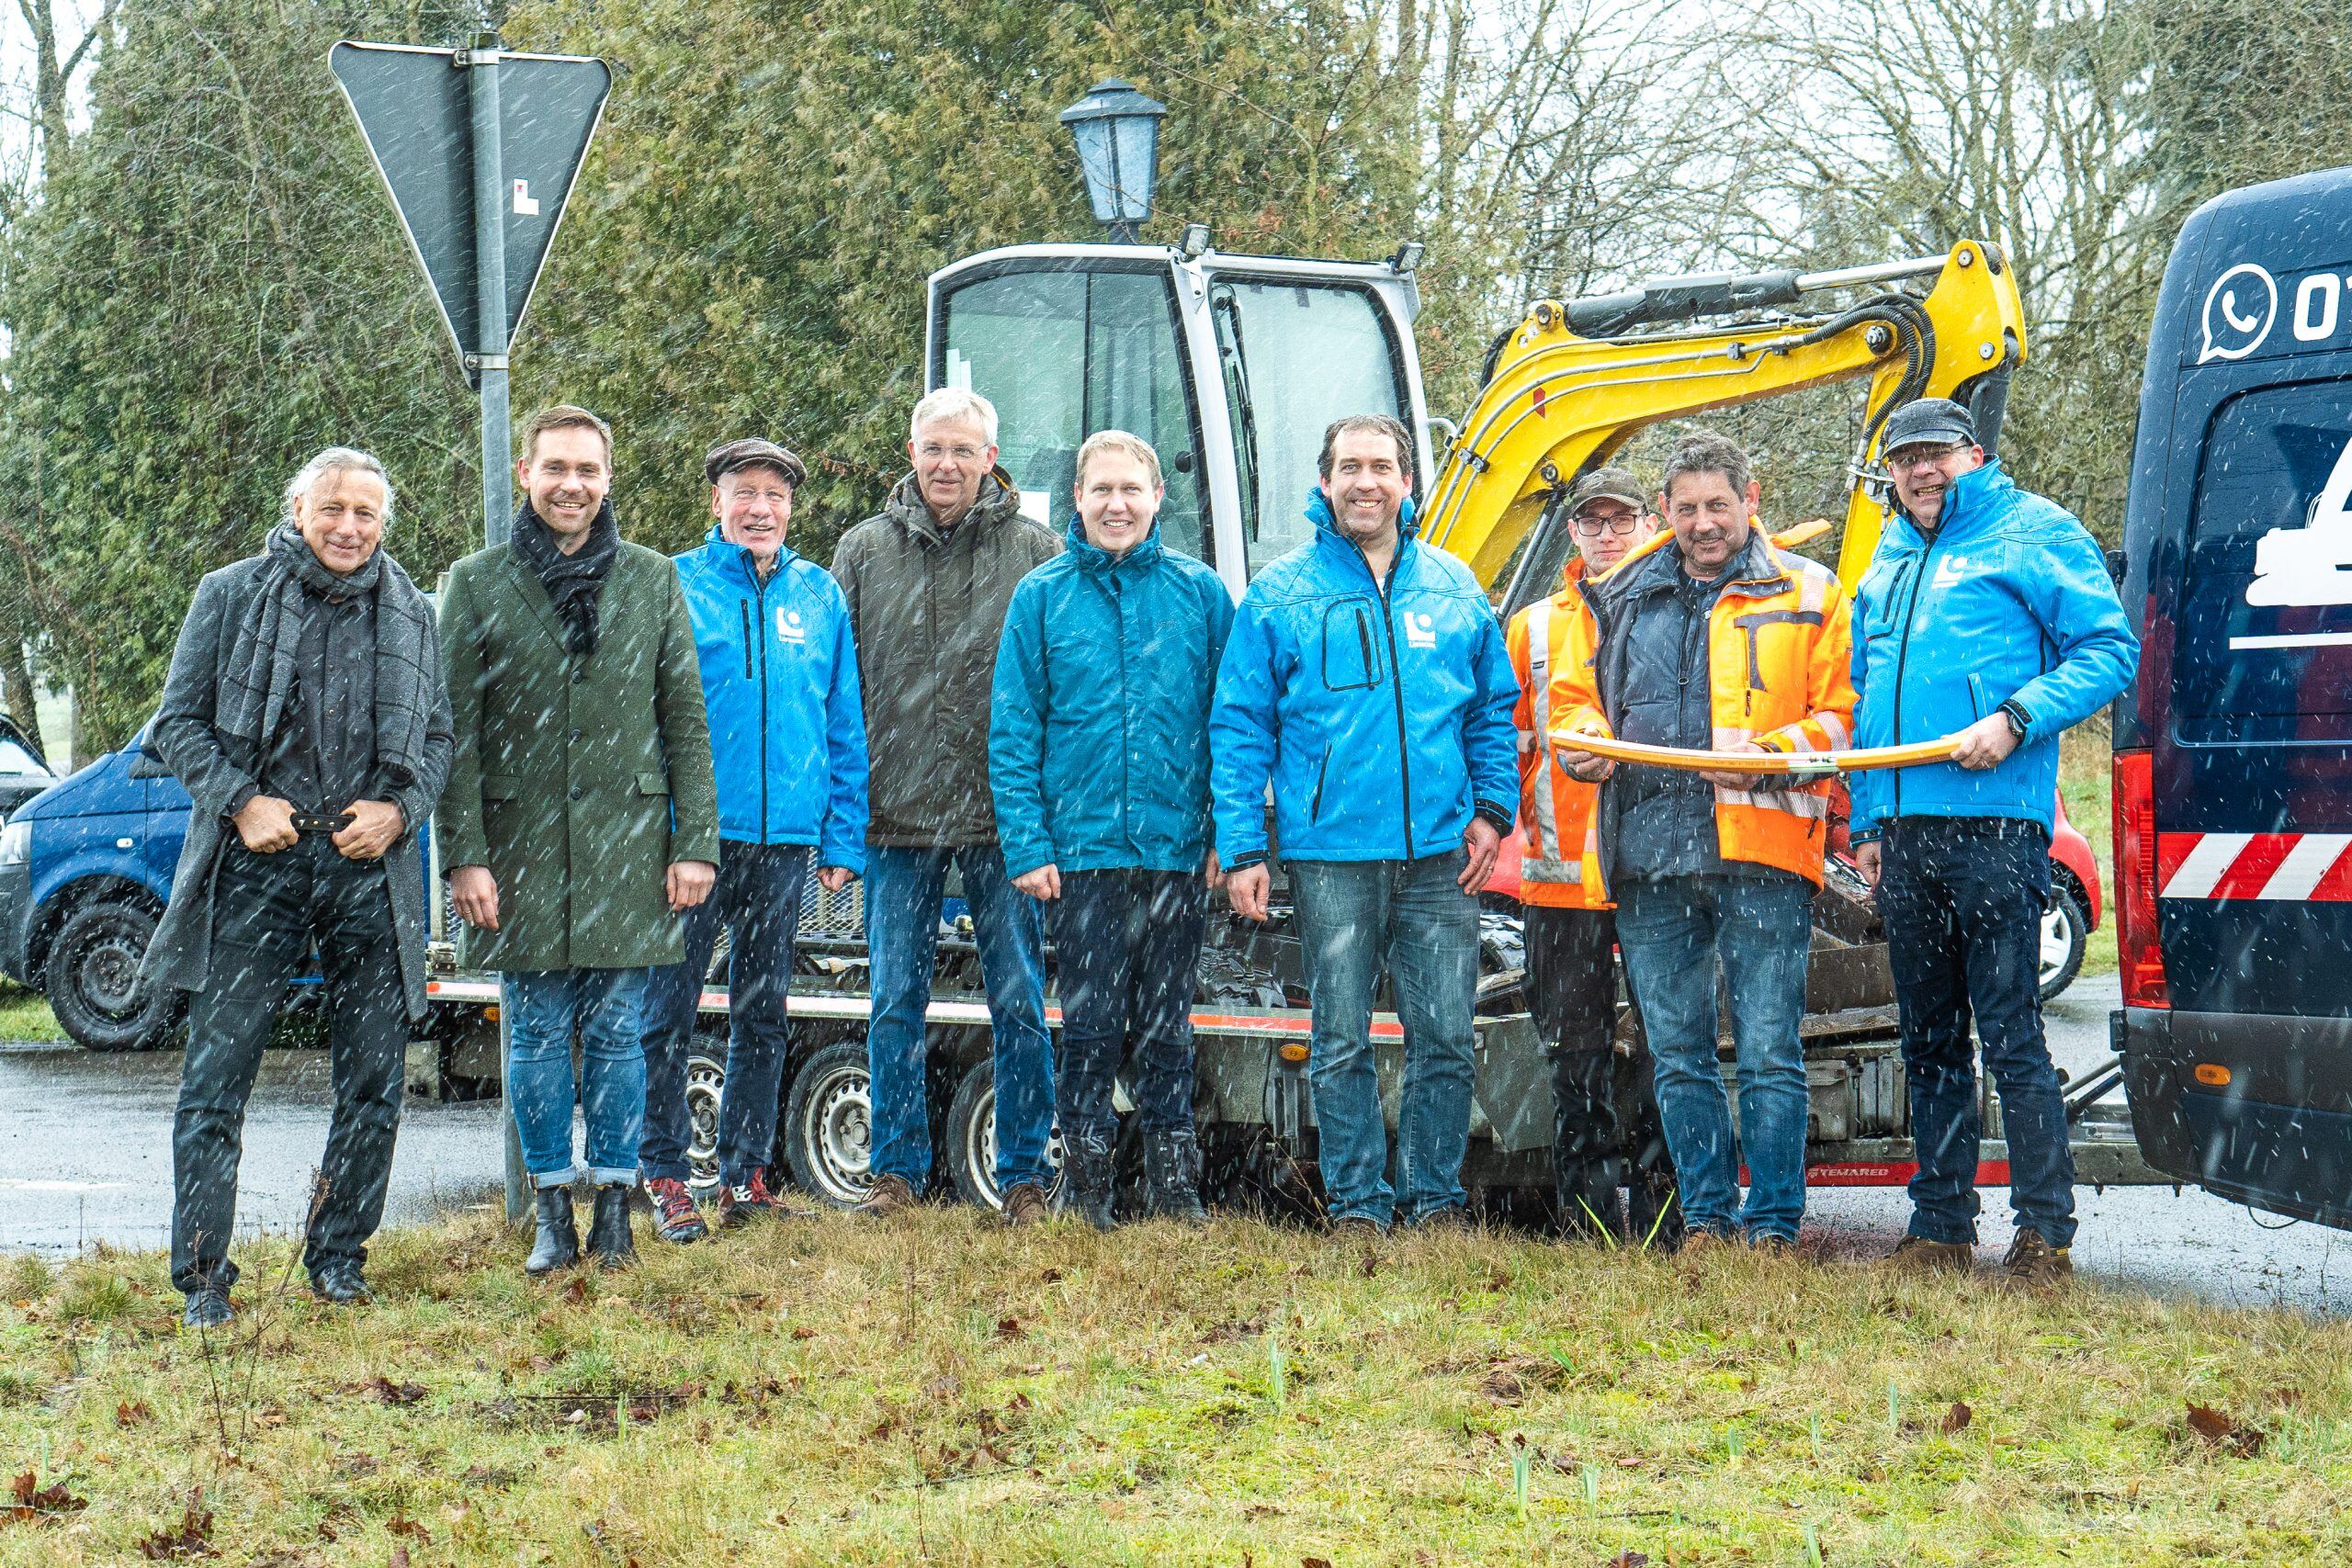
[1919, 457]
[931, 451]
[775, 497]
[1594, 527]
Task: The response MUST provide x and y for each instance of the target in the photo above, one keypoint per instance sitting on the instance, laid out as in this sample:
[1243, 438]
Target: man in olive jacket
[579, 821]
[928, 582]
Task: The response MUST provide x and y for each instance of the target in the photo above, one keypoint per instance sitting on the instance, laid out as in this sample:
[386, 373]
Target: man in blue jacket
[1986, 611]
[1367, 681]
[1099, 762]
[787, 742]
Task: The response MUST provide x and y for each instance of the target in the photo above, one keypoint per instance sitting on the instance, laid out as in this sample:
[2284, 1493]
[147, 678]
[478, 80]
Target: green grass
[940, 1390]
[25, 1015]
[2085, 783]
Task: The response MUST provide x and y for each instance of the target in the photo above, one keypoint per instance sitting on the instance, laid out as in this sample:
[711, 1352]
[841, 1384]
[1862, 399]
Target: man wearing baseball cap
[1987, 612]
[788, 742]
[1571, 932]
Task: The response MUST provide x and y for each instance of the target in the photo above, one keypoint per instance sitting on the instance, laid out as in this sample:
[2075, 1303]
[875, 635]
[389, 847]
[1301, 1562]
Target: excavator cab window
[1064, 353]
[1295, 357]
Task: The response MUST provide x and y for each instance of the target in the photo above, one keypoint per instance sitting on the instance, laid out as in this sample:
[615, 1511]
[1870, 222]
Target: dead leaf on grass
[2221, 1432]
[1629, 1558]
[1008, 1328]
[400, 1524]
[1314, 1562]
[132, 1412]
[1051, 1276]
[576, 1289]
[36, 1504]
[384, 1391]
[1370, 1266]
[803, 1332]
[192, 1538]
[1957, 1417]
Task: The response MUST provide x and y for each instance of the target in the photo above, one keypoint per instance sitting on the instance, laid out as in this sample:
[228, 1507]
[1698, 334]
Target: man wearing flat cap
[1987, 612]
[787, 742]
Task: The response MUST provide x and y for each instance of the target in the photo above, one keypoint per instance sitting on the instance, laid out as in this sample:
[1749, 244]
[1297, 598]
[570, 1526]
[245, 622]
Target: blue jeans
[1126, 953]
[1670, 932]
[1413, 916]
[757, 898]
[1962, 898]
[543, 1007]
[903, 893]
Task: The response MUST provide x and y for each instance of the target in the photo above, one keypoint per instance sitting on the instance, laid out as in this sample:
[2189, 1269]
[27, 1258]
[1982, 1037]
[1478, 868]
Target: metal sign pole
[497, 495]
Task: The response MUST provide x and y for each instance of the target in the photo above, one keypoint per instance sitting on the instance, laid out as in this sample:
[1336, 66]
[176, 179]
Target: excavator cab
[1230, 365]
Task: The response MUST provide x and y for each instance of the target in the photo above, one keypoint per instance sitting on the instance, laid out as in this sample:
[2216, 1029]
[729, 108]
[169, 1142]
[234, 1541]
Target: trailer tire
[705, 1082]
[92, 979]
[971, 1140]
[2065, 931]
[828, 1124]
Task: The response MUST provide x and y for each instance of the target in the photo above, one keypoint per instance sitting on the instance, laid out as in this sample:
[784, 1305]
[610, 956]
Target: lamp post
[1117, 133]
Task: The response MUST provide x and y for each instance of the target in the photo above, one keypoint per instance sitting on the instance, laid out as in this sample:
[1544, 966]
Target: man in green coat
[579, 821]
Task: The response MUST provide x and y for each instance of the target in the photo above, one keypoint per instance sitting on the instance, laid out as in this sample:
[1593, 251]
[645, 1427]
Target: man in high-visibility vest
[1571, 931]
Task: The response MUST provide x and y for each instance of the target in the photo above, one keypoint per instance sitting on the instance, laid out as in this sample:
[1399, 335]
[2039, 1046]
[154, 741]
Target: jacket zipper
[1903, 657]
[760, 593]
[1396, 680]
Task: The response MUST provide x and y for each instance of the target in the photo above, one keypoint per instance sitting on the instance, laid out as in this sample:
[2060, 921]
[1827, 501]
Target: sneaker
[2035, 1264]
[1357, 1227]
[1025, 1204]
[1772, 1246]
[208, 1307]
[1699, 1242]
[1921, 1254]
[741, 1202]
[675, 1218]
[888, 1195]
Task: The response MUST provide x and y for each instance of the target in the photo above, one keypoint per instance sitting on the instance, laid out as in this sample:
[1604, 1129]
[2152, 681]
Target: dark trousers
[1127, 952]
[1572, 991]
[267, 911]
[757, 898]
[1962, 898]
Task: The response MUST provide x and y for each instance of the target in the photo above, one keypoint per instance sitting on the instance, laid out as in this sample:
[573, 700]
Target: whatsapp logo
[2239, 310]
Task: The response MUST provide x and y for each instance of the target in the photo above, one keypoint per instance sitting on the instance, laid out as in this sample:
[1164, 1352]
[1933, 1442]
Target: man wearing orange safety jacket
[1712, 639]
[1570, 933]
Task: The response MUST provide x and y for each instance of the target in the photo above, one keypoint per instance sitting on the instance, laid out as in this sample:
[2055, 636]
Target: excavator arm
[1573, 382]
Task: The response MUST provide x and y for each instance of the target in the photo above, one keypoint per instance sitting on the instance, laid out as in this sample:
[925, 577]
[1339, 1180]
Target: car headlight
[16, 843]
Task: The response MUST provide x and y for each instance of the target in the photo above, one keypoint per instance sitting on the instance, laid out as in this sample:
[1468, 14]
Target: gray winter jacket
[928, 609]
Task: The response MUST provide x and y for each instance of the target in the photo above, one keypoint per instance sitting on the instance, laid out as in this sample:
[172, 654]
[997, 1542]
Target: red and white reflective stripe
[2296, 866]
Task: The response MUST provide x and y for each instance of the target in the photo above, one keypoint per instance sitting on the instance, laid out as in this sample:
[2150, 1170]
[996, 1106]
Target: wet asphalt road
[86, 1156]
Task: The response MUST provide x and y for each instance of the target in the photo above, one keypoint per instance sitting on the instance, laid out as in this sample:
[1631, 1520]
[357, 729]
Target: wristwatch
[2020, 721]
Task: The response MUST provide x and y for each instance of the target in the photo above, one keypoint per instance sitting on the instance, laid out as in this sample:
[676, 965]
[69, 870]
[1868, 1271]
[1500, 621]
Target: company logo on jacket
[1420, 629]
[789, 627]
[1951, 570]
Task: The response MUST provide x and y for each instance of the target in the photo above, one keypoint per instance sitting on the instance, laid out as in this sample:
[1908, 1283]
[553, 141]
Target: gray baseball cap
[1930, 422]
[1607, 484]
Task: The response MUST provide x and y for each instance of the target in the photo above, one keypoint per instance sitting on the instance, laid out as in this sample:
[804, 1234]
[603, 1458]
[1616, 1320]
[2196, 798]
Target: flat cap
[751, 451]
[1930, 422]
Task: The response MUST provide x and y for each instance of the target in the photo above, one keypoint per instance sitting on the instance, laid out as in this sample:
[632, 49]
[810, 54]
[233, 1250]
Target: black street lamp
[1117, 133]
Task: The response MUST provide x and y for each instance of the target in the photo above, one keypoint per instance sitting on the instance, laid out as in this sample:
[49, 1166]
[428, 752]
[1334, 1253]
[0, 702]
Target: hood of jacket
[999, 499]
[719, 545]
[1092, 558]
[1327, 526]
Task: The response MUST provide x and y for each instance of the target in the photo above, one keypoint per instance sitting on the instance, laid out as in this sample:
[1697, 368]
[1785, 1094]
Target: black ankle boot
[608, 1237]
[1171, 1175]
[1087, 1166]
[559, 1243]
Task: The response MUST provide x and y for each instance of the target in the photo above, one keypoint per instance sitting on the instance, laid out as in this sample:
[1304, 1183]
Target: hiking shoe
[1923, 1255]
[1699, 1242]
[888, 1195]
[1357, 1227]
[340, 1284]
[1772, 1246]
[1025, 1204]
[741, 1202]
[1453, 1218]
[2035, 1264]
[675, 1218]
[208, 1307]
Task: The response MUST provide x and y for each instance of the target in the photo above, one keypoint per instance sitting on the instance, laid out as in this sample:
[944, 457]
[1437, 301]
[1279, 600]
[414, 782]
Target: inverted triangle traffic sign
[415, 112]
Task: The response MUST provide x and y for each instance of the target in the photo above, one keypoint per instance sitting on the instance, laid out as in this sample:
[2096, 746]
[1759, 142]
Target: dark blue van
[85, 868]
[2233, 747]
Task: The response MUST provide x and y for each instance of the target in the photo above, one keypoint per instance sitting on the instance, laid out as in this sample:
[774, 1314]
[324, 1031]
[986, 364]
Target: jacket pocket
[1980, 701]
[652, 783]
[1315, 810]
[745, 606]
[1351, 656]
[499, 787]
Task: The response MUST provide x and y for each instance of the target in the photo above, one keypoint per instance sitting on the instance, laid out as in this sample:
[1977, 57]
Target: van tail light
[2138, 949]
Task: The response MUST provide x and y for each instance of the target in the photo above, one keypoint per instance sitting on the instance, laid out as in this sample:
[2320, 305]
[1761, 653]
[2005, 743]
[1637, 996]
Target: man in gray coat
[305, 712]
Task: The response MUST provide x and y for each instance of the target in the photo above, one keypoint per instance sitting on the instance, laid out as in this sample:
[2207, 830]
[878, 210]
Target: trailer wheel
[91, 979]
[971, 1141]
[2065, 929]
[706, 1078]
[828, 1123]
